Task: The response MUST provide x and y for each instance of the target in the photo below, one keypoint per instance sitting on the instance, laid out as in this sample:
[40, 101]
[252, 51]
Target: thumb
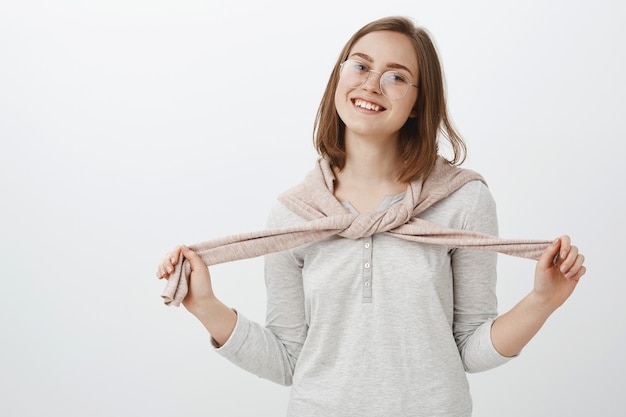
[549, 257]
[193, 258]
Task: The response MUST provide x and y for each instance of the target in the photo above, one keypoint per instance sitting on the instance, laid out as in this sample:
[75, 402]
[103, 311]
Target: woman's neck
[370, 173]
[371, 161]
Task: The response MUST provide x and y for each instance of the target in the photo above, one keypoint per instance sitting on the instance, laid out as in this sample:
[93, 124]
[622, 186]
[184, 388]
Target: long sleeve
[407, 319]
[271, 351]
[475, 300]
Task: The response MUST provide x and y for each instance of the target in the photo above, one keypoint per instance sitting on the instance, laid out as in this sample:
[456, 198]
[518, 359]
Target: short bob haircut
[418, 138]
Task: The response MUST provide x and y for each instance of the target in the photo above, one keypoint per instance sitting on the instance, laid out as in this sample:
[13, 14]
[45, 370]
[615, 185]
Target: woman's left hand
[557, 272]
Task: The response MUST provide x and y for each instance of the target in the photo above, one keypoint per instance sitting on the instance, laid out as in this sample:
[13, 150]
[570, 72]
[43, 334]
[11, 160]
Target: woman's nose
[372, 82]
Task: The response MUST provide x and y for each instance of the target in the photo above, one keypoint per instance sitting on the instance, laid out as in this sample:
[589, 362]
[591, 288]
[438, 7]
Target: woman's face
[364, 109]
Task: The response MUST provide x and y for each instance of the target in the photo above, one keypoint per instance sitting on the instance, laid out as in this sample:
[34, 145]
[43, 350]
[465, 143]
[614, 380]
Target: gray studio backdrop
[127, 127]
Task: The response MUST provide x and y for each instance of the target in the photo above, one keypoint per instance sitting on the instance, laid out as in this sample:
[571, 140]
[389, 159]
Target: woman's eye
[360, 67]
[396, 77]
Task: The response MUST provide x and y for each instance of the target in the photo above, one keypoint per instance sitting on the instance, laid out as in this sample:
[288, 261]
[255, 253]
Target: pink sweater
[314, 200]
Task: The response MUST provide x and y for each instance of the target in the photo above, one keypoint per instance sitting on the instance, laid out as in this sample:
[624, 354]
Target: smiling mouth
[367, 105]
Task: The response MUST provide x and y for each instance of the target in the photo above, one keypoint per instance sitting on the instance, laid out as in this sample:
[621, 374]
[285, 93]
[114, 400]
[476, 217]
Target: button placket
[367, 269]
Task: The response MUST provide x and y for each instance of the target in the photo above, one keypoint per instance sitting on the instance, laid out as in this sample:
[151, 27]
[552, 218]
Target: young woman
[378, 325]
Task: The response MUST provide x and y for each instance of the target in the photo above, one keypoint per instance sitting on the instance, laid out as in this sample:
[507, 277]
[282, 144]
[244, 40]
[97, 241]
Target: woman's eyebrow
[391, 65]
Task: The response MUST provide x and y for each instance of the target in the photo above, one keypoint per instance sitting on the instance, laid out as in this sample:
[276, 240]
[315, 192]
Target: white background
[127, 127]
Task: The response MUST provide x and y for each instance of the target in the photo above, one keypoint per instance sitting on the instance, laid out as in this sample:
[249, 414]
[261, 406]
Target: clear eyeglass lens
[393, 84]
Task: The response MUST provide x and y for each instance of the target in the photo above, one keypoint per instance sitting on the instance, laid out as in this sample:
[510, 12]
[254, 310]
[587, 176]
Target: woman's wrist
[541, 304]
[217, 318]
[209, 307]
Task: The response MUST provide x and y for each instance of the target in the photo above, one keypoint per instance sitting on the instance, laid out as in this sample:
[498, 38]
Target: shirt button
[367, 245]
[367, 283]
[367, 265]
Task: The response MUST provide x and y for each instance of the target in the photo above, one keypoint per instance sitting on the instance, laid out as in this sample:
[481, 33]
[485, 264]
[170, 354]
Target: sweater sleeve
[271, 351]
[475, 299]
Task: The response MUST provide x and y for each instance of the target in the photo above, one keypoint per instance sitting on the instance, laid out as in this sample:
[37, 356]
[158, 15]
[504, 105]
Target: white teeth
[365, 105]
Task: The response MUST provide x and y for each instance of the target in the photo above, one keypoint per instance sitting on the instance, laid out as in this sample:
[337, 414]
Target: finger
[169, 263]
[576, 267]
[194, 259]
[549, 255]
[566, 243]
[161, 271]
[166, 267]
[579, 274]
[569, 260]
[175, 255]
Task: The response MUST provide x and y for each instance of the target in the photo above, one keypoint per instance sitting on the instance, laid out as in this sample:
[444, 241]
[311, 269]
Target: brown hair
[418, 137]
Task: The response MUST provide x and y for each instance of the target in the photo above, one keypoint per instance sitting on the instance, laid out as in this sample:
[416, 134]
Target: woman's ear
[413, 113]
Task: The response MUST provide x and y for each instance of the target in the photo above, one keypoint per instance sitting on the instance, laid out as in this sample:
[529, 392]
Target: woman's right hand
[200, 300]
[166, 267]
[200, 294]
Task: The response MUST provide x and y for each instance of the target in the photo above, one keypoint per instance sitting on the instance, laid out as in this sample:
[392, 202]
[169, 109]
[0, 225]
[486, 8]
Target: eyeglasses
[393, 84]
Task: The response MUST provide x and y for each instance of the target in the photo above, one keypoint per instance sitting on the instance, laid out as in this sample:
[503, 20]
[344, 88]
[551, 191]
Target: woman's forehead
[386, 48]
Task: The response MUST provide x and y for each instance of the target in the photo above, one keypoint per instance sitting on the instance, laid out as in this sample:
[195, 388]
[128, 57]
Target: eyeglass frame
[380, 78]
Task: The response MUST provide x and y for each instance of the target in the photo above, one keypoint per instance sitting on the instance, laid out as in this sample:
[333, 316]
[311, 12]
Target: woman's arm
[475, 275]
[554, 283]
[269, 351]
[216, 317]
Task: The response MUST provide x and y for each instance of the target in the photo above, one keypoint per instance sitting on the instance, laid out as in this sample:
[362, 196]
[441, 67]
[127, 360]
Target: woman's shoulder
[470, 200]
[473, 193]
[472, 196]
[281, 216]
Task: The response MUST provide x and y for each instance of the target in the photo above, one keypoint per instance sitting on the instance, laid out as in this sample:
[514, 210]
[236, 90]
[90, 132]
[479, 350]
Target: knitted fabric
[313, 199]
